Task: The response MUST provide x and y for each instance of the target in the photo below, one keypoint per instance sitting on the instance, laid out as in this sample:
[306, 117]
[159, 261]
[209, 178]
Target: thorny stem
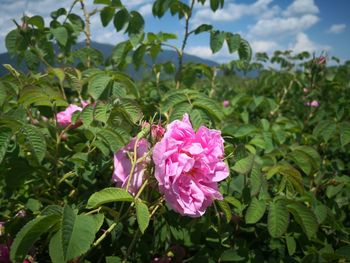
[184, 42]
[285, 92]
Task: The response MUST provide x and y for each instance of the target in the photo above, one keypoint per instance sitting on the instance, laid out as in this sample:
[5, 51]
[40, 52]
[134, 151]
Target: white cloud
[301, 7]
[279, 25]
[304, 43]
[264, 45]
[336, 28]
[231, 12]
[146, 10]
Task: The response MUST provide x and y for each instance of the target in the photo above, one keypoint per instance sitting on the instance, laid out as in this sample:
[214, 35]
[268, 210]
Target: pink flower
[122, 165]
[226, 103]
[157, 132]
[313, 103]
[305, 90]
[188, 167]
[64, 118]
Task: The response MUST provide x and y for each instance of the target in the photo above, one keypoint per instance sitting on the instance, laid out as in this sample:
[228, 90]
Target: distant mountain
[106, 49]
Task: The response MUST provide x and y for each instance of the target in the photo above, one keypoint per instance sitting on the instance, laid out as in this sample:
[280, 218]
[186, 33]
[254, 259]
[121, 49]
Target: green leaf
[35, 142]
[302, 160]
[210, 106]
[203, 28]
[291, 174]
[135, 28]
[224, 206]
[87, 115]
[216, 40]
[244, 165]
[244, 50]
[113, 138]
[37, 21]
[304, 217]
[14, 41]
[256, 180]
[106, 15]
[55, 248]
[138, 55]
[29, 234]
[233, 41]
[291, 245]
[5, 137]
[98, 84]
[344, 252]
[278, 218]
[61, 35]
[344, 131]
[232, 255]
[108, 195]
[142, 215]
[214, 5]
[325, 129]
[77, 233]
[121, 18]
[255, 211]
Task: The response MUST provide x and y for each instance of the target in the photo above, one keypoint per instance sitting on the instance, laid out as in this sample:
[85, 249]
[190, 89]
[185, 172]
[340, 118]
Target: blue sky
[311, 25]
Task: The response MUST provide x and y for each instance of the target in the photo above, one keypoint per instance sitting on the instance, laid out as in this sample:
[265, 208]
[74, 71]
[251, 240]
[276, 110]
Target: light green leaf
[224, 206]
[244, 165]
[77, 233]
[142, 215]
[108, 195]
[61, 35]
[255, 211]
[291, 245]
[98, 84]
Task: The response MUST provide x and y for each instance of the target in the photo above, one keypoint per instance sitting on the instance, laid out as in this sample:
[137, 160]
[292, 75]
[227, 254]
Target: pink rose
[313, 103]
[188, 167]
[122, 165]
[226, 103]
[157, 132]
[321, 60]
[64, 118]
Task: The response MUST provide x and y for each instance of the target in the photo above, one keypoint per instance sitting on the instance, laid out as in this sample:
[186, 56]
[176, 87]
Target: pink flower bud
[313, 103]
[321, 60]
[305, 90]
[226, 103]
[157, 132]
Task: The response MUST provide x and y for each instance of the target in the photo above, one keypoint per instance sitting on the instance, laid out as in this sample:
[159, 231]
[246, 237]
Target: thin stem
[133, 164]
[87, 30]
[184, 42]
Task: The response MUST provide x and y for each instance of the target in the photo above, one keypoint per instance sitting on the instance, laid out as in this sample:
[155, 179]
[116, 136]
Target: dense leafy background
[287, 197]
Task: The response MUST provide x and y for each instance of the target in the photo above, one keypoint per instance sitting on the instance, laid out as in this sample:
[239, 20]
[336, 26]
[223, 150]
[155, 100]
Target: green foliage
[287, 197]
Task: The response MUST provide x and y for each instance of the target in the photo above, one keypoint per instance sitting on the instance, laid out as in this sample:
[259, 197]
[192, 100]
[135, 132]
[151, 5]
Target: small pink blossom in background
[188, 167]
[226, 103]
[64, 118]
[313, 103]
[122, 165]
[157, 132]
[305, 90]
[321, 60]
